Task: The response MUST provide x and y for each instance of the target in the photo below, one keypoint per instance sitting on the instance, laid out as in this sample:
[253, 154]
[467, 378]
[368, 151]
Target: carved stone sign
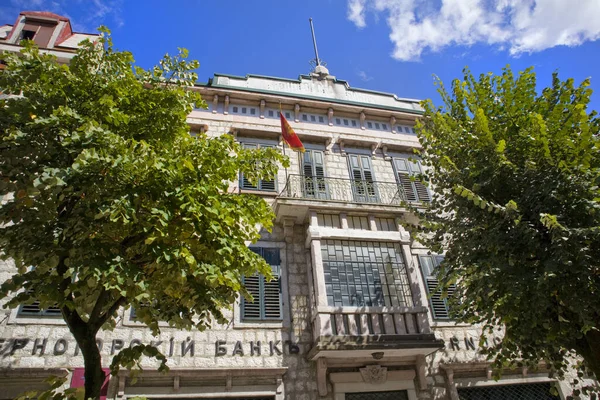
[41, 347]
[470, 343]
[375, 374]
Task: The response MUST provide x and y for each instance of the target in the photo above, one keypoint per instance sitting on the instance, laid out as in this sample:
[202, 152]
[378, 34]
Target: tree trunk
[589, 349]
[92, 361]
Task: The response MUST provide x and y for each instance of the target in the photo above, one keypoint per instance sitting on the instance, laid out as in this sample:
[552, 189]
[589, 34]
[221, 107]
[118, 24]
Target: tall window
[266, 304]
[429, 266]
[362, 178]
[313, 167]
[407, 174]
[365, 274]
[265, 185]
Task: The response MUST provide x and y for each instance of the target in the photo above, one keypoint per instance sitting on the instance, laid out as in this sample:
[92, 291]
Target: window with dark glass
[266, 304]
[27, 35]
[365, 274]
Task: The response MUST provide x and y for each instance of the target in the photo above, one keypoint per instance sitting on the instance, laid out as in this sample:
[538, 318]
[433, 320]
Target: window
[31, 310]
[264, 185]
[361, 173]
[27, 35]
[407, 174]
[365, 274]
[429, 265]
[267, 294]
[313, 167]
[395, 395]
[526, 391]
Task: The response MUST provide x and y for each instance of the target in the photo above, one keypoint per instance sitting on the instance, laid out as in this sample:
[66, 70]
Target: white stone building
[351, 316]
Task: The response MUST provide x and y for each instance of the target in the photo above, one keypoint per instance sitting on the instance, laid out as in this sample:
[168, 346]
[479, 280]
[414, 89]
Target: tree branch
[104, 317]
[102, 298]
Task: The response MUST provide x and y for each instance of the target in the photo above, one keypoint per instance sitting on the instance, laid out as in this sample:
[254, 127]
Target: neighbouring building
[351, 316]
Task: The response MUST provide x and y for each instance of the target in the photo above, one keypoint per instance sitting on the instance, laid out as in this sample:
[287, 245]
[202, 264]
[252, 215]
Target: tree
[517, 206]
[110, 202]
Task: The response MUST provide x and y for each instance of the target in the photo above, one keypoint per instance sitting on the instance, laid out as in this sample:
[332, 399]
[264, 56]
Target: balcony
[368, 302]
[301, 191]
[343, 332]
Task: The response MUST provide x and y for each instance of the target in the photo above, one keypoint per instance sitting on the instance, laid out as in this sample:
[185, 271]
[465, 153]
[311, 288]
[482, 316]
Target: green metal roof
[211, 84]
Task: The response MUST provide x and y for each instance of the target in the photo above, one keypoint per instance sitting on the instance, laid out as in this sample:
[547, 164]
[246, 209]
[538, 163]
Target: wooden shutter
[251, 310]
[272, 295]
[408, 175]
[267, 184]
[266, 294]
[314, 172]
[439, 305]
[34, 309]
[422, 192]
[245, 183]
[361, 172]
[403, 176]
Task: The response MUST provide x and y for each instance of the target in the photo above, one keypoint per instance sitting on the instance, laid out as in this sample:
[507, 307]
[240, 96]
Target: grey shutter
[420, 188]
[267, 185]
[363, 184]
[34, 309]
[267, 304]
[314, 174]
[251, 310]
[272, 295]
[439, 305]
[245, 183]
[403, 175]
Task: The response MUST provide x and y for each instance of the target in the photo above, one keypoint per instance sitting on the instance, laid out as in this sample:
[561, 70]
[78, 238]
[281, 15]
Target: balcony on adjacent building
[301, 192]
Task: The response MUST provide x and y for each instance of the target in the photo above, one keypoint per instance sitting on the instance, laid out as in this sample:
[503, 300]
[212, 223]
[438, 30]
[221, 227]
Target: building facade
[352, 314]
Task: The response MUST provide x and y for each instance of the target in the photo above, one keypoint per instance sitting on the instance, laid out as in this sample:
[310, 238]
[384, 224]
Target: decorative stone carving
[330, 116]
[226, 105]
[393, 123]
[362, 120]
[375, 374]
[262, 109]
[386, 156]
[215, 103]
[297, 113]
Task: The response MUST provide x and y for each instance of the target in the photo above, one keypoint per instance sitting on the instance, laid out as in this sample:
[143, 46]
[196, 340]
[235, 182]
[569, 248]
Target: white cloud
[356, 12]
[90, 14]
[521, 26]
[364, 77]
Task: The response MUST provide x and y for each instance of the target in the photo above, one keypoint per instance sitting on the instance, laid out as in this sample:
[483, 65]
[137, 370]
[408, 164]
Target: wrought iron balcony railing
[346, 190]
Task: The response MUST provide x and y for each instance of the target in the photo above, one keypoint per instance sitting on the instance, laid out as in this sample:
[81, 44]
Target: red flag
[290, 136]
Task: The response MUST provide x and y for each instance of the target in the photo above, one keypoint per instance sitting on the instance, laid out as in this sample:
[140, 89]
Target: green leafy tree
[517, 206]
[109, 202]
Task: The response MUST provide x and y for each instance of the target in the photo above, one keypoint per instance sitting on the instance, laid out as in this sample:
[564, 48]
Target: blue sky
[389, 45]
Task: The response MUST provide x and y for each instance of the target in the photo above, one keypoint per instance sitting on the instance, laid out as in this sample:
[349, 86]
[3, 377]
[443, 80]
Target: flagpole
[283, 142]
